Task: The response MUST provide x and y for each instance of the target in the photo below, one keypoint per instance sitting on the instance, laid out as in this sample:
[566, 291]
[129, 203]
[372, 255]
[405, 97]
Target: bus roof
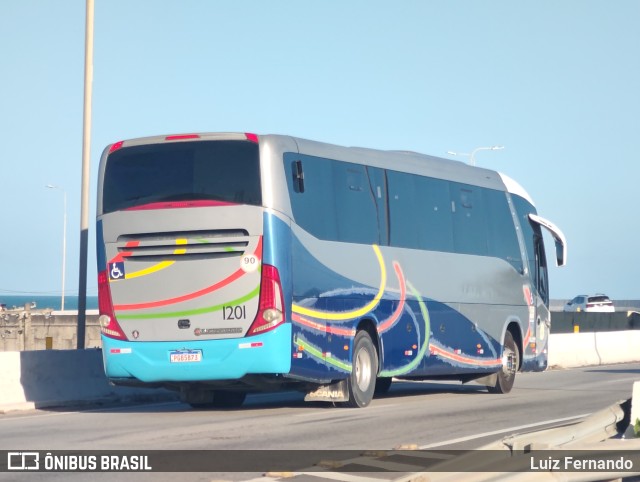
[514, 188]
[405, 161]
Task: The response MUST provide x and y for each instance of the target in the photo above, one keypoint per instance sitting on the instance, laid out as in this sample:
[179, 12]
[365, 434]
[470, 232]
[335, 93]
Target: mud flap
[335, 392]
[488, 380]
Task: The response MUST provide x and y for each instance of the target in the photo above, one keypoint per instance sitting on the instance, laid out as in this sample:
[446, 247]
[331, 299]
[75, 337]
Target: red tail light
[251, 137]
[108, 324]
[116, 146]
[271, 308]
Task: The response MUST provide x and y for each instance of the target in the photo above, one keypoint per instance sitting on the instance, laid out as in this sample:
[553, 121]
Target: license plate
[185, 356]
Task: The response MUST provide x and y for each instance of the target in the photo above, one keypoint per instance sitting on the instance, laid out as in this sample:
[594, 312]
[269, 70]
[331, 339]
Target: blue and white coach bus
[235, 263]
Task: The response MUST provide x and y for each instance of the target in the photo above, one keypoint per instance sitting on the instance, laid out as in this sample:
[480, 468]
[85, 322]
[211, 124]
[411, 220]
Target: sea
[43, 302]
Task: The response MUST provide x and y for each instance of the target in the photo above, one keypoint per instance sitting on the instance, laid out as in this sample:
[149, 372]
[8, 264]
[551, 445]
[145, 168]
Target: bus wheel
[362, 381]
[510, 363]
[228, 399]
[383, 385]
[208, 399]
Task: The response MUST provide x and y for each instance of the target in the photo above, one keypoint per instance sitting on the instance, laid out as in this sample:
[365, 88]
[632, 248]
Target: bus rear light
[181, 137]
[271, 306]
[108, 324]
[251, 137]
[116, 146]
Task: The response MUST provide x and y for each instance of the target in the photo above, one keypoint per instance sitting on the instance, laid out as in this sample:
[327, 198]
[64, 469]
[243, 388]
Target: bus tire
[228, 399]
[510, 363]
[362, 380]
[217, 399]
[383, 385]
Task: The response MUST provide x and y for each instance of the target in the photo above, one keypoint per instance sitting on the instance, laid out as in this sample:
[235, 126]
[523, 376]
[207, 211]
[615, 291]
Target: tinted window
[502, 239]
[404, 223]
[541, 277]
[599, 299]
[469, 220]
[523, 209]
[200, 170]
[342, 201]
[420, 212]
[434, 200]
[314, 207]
[338, 200]
[355, 206]
[438, 215]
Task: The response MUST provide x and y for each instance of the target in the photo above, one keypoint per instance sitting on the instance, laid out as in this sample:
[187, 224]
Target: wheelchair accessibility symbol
[116, 270]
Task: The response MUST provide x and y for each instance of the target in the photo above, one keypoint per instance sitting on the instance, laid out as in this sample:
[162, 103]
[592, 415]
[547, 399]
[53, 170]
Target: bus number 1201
[234, 312]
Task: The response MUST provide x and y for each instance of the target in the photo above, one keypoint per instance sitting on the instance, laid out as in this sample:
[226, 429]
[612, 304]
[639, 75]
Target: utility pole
[86, 164]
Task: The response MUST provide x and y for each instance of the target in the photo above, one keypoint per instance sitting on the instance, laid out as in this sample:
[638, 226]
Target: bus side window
[355, 205]
[332, 200]
[541, 269]
[469, 220]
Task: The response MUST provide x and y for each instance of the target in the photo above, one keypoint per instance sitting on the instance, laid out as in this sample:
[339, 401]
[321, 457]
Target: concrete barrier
[49, 378]
[567, 350]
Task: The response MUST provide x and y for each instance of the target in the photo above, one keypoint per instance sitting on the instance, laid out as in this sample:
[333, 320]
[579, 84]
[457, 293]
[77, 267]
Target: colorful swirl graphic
[349, 315]
[427, 347]
[425, 344]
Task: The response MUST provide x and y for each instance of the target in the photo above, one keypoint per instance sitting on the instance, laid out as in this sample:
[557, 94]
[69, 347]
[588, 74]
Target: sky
[556, 83]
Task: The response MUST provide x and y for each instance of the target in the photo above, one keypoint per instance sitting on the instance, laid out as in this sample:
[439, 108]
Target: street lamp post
[471, 155]
[64, 240]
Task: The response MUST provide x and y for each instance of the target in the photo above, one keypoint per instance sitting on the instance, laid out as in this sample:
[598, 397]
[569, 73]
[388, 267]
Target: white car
[594, 303]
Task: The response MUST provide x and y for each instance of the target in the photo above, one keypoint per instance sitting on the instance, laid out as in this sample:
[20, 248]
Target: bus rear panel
[184, 293]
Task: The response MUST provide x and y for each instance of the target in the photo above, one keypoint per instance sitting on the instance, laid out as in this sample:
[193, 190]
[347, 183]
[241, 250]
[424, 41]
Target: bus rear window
[227, 171]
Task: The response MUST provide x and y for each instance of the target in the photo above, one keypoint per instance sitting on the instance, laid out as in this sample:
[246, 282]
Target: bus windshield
[225, 171]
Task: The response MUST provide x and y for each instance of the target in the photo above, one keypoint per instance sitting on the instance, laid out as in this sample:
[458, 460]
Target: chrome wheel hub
[363, 370]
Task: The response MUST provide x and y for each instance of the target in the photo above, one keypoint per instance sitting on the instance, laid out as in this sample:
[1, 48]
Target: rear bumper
[227, 359]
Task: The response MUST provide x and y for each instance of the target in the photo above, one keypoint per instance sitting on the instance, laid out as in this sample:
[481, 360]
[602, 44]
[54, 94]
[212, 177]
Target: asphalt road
[444, 415]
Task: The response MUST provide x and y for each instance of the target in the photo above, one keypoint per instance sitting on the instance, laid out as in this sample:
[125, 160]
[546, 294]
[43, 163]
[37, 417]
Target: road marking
[497, 432]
